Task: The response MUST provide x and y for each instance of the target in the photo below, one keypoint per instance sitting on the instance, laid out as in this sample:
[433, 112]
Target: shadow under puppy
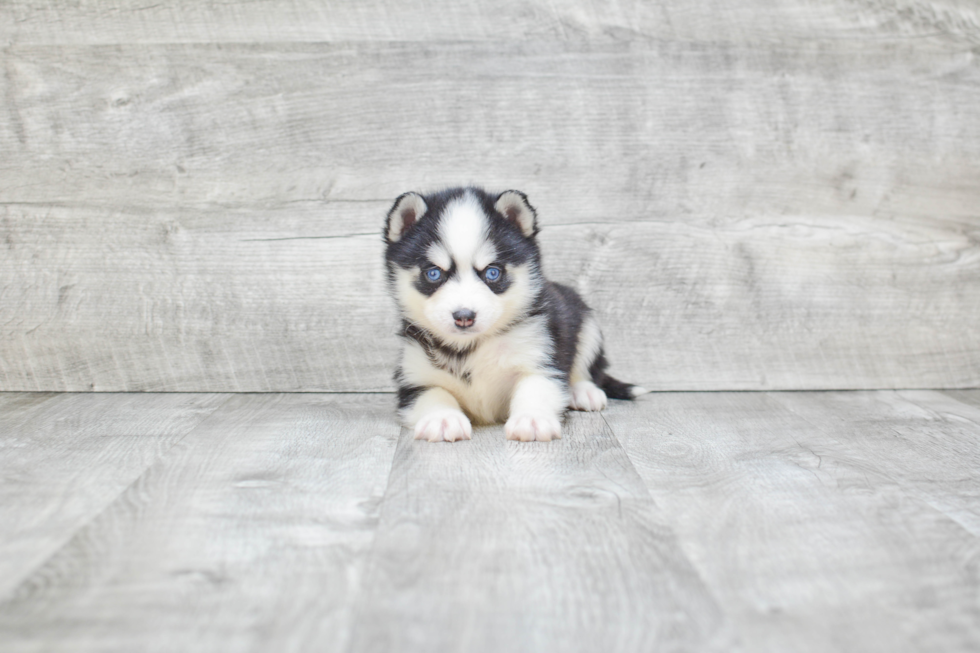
[484, 332]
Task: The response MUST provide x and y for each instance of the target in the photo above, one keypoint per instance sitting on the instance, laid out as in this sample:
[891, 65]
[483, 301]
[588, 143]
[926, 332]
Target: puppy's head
[463, 264]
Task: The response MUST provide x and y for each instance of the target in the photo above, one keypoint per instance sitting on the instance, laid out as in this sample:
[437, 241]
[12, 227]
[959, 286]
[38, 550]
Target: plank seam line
[269, 240]
[392, 392]
[619, 443]
[369, 557]
[681, 545]
[221, 392]
[213, 206]
[909, 492]
[12, 594]
[967, 406]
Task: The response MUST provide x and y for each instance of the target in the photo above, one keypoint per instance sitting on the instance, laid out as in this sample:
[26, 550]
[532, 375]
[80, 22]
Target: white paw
[448, 424]
[586, 395]
[528, 427]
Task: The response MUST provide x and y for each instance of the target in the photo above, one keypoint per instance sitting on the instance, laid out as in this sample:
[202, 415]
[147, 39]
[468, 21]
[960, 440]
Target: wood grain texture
[267, 301]
[489, 545]
[746, 214]
[19, 407]
[171, 302]
[824, 302]
[64, 458]
[812, 522]
[969, 397]
[251, 530]
[125, 21]
[673, 129]
[933, 451]
[817, 519]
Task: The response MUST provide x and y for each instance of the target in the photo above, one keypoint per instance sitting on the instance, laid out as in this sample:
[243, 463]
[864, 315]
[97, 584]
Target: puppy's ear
[408, 208]
[513, 205]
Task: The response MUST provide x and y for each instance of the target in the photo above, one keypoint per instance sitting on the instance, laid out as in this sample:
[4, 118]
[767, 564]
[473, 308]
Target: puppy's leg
[436, 417]
[586, 395]
[535, 410]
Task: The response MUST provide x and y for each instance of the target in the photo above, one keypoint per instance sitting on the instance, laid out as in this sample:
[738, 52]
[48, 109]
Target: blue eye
[433, 274]
[491, 273]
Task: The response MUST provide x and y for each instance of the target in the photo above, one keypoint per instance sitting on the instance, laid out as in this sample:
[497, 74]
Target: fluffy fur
[486, 337]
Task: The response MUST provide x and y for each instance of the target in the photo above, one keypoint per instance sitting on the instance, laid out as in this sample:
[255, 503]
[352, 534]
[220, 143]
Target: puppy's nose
[464, 318]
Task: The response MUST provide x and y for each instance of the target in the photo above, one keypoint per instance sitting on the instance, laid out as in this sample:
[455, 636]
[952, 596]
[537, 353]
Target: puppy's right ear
[408, 209]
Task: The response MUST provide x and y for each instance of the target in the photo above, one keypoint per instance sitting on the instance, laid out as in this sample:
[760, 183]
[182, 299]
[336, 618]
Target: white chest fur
[483, 381]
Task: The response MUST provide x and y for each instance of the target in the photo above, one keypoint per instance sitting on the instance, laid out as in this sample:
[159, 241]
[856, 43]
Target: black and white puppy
[486, 337]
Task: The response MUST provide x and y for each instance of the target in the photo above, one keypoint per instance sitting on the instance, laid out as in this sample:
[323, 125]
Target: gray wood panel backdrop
[753, 195]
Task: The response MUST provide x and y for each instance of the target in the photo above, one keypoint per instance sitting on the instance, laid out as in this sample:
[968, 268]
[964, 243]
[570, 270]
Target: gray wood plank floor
[806, 521]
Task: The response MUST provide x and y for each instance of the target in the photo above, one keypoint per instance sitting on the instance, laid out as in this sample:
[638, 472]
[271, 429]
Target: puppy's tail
[616, 389]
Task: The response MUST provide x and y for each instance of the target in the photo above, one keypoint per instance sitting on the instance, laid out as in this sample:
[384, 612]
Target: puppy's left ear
[513, 205]
[408, 208]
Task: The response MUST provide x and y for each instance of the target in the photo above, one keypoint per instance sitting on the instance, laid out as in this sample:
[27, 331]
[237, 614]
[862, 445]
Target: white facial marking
[438, 255]
[464, 247]
[411, 300]
[464, 291]
[463, 229]
[485, 255]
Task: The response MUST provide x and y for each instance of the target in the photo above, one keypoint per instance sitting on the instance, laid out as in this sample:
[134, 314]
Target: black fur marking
[428, 288]
[502, 283]
[451, 359]
[407, 393]
[614, 388]
[565, 312]
[561, 306]
[411, 250]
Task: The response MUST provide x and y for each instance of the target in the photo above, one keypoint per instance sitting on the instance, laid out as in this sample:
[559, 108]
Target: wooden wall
[753, 195]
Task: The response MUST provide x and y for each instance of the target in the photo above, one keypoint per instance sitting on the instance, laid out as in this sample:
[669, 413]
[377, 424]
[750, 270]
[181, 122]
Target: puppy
[486, 337]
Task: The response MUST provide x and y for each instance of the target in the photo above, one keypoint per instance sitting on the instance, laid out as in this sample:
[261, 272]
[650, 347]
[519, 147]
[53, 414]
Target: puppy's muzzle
[464, 318]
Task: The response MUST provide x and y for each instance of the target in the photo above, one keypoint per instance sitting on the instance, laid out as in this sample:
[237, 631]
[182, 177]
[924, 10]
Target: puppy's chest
[484, 380]
[489, 366]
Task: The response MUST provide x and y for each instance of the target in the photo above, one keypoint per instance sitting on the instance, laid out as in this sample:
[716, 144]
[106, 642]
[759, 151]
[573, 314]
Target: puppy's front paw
[449, 425]
[586, 395]
[528, 427]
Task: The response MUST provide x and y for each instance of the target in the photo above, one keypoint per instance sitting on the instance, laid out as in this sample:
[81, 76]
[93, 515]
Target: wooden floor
[823, 521]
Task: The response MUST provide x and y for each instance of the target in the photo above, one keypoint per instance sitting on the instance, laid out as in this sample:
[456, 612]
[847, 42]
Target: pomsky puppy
[486, 337]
